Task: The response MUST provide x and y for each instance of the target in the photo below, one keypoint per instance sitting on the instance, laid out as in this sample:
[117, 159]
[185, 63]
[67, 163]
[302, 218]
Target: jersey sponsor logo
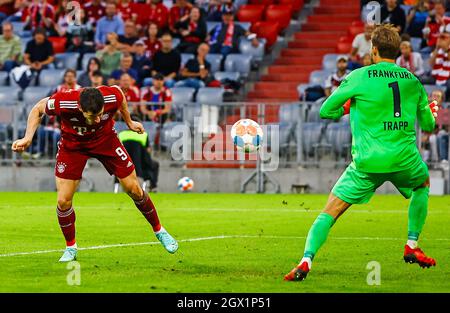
[51, 104]
[61, 167]
[80, 130]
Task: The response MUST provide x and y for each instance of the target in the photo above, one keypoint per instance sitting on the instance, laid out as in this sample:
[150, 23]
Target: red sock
[66, 221]
[148, 210]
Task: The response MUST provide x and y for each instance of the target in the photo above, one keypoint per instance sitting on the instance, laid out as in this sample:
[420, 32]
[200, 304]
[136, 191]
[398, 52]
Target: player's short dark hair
[387, 40]
[91, 100]
[97, 74]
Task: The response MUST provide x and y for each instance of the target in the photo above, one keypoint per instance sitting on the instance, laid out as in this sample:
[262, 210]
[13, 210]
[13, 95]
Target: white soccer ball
[185, 184]
[247, 135]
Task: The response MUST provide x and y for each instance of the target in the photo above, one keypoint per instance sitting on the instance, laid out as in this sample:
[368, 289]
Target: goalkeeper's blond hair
[386, 39]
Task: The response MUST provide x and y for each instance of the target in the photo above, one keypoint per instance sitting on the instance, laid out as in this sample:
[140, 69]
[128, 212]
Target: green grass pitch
[228, 243]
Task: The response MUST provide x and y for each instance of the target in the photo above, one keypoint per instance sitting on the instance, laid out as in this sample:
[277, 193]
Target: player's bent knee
[134, 190]
[64, 204]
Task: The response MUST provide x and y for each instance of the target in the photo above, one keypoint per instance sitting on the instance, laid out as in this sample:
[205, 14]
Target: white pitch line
[204, 239]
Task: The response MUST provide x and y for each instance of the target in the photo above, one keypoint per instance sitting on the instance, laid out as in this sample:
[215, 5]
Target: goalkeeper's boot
[298, 273]
[168, 242]
[417, 256]
[70, 254]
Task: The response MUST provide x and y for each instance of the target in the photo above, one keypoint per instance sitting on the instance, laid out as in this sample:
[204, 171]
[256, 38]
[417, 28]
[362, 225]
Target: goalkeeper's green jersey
[386, 99]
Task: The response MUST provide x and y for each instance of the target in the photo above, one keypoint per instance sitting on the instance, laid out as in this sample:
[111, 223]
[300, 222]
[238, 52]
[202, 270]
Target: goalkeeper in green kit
[385, 101]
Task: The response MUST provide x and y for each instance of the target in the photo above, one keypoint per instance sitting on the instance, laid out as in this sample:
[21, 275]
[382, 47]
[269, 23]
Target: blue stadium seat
[85, 60]
[245, 25]
[210, 25]
[416, 43]
[3, 78]
[191, 112]
[24, 41]
[51, 78]
[284, 133]
[167, 138]
[214, 59]
[9, 95]
[289, 113]
[18, 27]
[313, 114]
[246, 48]
[339, 137]
[238, 63]
[210, 95]
[227, 75]
[175, 42]
[186, 57]
[182, 95]
[329, 61]
[318, 77]
[67, 60]
[33, 94]
[312, 134]
[120, 126]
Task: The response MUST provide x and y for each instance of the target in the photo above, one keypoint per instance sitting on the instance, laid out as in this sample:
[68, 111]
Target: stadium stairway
[319, 35]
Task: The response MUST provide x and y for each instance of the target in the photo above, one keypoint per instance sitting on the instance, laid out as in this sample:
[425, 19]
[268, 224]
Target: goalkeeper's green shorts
[357, 187]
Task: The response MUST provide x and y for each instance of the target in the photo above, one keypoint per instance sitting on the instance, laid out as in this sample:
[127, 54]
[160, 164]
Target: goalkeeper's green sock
[417, 213]
[317, 235]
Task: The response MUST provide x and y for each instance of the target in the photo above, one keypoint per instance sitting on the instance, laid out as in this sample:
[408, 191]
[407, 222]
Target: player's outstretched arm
[426, 113]
[34, 120]
[332, 108]
[132, 125]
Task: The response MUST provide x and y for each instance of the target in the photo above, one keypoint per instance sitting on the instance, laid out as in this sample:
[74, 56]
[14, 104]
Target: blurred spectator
[217, 7]
[130, 91]
[10, 48]
[442, 136]
[152, 41]
[128, 10]
[157, 13]
[39, 14]
[436, 19]
[69, 81]
[97, 79]
[126, 61]
[80, 37]
[367, 60]
[110, 55]
[334, 80]
[48, 136]
[7, 8]
[156, 101]
[166, 61]
[392, 13]
[110, 23]
[361, 45]
[39, 52]
[129, 37]
[141, 61]
[192, 31]
[179, 12]
[417, 17]
[224, 38]
[196, 72]
[440, 61]
[95, 9]
[85, 79]
[410, 60]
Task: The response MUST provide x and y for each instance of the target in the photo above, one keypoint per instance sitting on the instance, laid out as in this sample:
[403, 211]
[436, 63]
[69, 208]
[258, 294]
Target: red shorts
[110, 152]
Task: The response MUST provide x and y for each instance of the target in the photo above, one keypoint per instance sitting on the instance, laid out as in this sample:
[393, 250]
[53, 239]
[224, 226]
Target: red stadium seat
[344, 47]
[280, 13]
[250, 13]
[356, 28]
[59, 44]
[267, 30]
[297, 5]
[265, 2]
[345, 39]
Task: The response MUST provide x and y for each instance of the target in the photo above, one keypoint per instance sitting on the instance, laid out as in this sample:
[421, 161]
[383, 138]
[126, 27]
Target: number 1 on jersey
[396, 94]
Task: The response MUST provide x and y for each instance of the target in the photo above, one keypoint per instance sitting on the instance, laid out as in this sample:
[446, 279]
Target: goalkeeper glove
[347, 106]
[434, 108]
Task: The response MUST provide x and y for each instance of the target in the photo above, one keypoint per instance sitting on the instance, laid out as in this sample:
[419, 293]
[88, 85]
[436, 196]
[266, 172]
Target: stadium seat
[250, 13]
[296, 5]
[318, 77]
[301, 89]
[59, 44]
[67, 60]
[120, 126]
[245, 25]
[214, 59]
[3, 78]
[289, 113]
[51, 78]
[18, 27]
[9, 95]
[175, 42]
[191, 112]
[339, 137]
[356, 28]
[265, 2]
[266, 30]
[312, 134]
[343, 47]
[280, 13]
[284, 133]
[24, 42]
[85, 60]
[238, 63]
[210, 95]
[182, 95]
[227, 75]
[329, 62]
[152, 130]
[33, 94]
[416, 43]
[257, 53]
[210, 25]
[186, 57]
[313, 113]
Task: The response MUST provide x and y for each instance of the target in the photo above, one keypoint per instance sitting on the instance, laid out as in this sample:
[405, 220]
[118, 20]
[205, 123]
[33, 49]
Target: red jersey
[94, 12]
[176, 13]
[158, 14]
[34, 12]
[153, 46]
[75, 132]
[153, 96]
[127, 11]
[132, 94]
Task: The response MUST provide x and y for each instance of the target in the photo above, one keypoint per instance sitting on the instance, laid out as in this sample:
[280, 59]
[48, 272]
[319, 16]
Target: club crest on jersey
[80, 130]
[105, 116]
[61, 167]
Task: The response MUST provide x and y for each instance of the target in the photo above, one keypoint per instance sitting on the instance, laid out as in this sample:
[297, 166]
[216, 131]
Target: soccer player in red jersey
[87, 130]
